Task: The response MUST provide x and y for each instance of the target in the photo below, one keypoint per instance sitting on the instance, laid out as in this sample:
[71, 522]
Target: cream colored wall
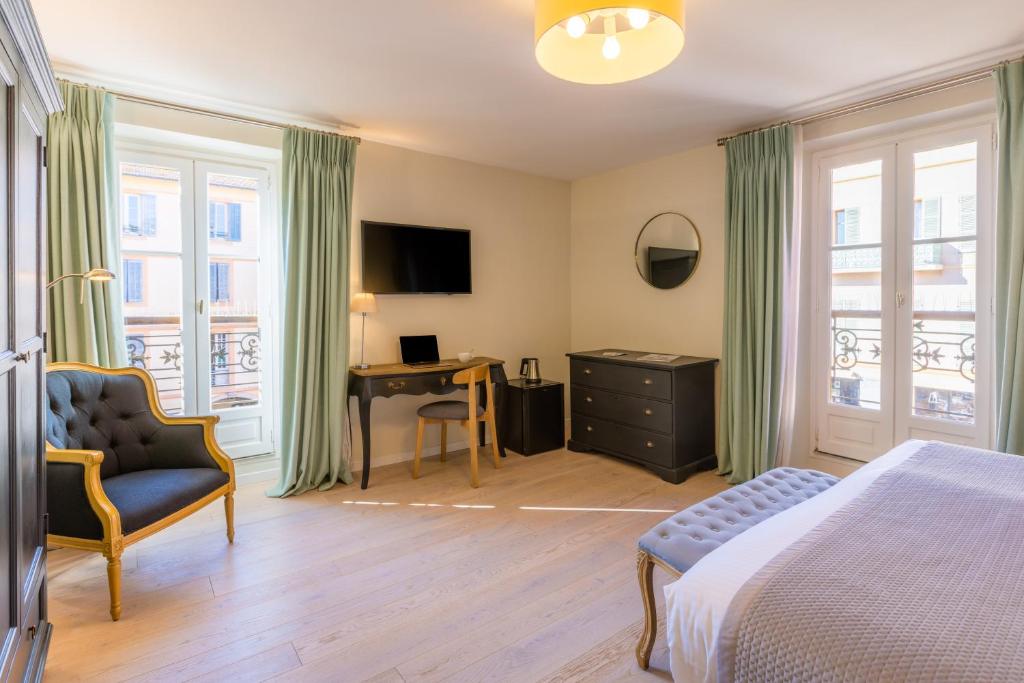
[520, 224]
[611, 305]
[520, 301]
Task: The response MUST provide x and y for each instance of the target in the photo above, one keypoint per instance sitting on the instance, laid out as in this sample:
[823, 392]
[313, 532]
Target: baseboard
[257, 468]
[832, 464]
[405, 456]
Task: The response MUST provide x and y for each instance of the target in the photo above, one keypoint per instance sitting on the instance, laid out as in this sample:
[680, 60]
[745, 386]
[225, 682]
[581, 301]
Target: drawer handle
[648, 381]
[588, 399]
[444, 381]
[650, 444]
[396, 385]
[648, 412]
[586, 371]
[589, 428]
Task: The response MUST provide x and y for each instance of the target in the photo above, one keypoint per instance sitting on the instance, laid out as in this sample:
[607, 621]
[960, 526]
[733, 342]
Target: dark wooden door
[22, 364]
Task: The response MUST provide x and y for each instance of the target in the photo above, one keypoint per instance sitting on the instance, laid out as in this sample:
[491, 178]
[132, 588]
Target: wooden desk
[396, 379]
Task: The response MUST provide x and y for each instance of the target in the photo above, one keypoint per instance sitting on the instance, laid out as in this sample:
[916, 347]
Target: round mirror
[667, 250]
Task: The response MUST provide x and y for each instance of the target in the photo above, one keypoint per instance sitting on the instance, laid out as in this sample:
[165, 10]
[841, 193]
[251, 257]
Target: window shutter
[931, 218]
[968, 214]
[132, 281]
[225, 291]
[235, 222]
[214, 294]
[147, 211]
[852, 225]
[213, 223]
[131, 219]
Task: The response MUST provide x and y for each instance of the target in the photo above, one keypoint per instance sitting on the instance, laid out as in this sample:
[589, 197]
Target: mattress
[696, 604]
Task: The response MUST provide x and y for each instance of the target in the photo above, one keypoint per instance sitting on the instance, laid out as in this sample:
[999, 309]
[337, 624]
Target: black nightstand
[533, 416]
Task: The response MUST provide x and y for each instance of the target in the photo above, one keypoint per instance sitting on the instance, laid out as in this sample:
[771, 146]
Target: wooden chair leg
[444, 441]
[495, 452]
[229, 514]
[645, 573]
[421, 425]
[474, 466]
[114, 583]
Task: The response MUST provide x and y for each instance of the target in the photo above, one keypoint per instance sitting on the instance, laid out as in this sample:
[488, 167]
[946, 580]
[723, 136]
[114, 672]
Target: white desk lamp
[363, 303]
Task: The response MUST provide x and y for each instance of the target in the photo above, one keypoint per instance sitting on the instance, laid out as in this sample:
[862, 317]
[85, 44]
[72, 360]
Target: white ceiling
[458, 77]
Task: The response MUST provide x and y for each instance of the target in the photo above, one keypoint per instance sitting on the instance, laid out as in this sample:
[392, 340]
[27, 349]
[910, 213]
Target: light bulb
[611, 48]
[638, 18]
[576, 26]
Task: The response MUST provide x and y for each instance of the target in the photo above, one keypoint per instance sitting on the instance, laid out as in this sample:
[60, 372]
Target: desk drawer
[623, 378]
[644, 413]
[415, 385]
[639, 444]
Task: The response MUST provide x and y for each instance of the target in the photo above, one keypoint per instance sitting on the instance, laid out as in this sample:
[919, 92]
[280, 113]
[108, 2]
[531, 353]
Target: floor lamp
[363, 303]
[94, 275]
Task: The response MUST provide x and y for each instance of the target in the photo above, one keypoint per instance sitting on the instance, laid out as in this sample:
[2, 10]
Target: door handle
[23, 357]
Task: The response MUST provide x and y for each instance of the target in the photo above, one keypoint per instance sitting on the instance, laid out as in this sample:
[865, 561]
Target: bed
[702, 606]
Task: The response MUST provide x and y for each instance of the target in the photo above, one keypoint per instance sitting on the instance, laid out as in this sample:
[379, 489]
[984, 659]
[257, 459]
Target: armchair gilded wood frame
[114, 541]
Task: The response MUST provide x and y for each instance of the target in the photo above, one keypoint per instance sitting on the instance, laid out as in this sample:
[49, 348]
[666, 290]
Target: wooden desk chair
[442, 412]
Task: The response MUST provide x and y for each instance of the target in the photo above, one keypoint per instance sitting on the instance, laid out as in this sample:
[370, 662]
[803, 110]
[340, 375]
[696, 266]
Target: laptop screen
[419, 349]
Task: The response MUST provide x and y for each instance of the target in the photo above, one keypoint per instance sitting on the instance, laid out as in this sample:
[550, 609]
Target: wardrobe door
[22, 364]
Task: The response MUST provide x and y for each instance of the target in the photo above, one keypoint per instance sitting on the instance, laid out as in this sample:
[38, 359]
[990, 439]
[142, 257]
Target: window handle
[899, 299]
[201, 306]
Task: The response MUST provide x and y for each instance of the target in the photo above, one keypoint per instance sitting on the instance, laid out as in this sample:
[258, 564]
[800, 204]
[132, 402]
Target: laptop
[420, 350]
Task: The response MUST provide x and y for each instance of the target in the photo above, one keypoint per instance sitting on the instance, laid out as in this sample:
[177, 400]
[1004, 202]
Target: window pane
[235, 360]
[945, 286]
[152, 277]
[856, 284]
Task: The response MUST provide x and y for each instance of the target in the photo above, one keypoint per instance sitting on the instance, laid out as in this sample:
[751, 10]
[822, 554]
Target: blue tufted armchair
[119, 469]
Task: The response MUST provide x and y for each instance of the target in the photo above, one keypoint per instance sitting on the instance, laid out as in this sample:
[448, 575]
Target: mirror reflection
[667, 250]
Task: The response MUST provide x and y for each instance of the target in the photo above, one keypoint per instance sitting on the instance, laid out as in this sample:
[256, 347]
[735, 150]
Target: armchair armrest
[77, 505]
[207, 422]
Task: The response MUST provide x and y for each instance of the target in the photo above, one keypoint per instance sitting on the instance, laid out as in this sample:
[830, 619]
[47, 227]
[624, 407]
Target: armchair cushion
[110, 413]
[146, 497]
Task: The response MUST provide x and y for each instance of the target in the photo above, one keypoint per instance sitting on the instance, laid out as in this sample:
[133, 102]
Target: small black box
[533, 416]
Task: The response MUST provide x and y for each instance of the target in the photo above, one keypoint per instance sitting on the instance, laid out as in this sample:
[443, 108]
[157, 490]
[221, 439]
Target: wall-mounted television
[413, 259]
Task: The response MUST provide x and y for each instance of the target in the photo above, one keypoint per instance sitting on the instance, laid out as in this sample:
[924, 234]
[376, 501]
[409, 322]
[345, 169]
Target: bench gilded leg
[645, 574]
[114, 584]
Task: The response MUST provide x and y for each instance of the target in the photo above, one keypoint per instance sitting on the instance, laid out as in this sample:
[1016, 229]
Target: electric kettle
[529, 370]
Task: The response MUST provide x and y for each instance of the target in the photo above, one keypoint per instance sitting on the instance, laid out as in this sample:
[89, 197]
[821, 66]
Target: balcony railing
[943, 360]
[154, 343]
[870, 258]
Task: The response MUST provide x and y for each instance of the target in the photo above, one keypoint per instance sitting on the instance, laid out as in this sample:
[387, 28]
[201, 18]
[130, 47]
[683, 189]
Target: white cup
[465, 357]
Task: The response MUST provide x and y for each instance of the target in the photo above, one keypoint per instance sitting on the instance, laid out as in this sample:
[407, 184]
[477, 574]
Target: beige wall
[612, 306]
[520, 224]
[520, 301]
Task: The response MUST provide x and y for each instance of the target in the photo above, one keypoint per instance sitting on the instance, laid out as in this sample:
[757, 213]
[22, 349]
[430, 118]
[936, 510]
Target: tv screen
[410, 259]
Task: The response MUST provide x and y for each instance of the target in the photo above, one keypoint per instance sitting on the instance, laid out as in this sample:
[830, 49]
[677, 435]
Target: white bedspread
[696, 603]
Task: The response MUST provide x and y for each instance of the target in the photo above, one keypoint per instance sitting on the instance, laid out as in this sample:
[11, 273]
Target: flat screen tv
[412, 259]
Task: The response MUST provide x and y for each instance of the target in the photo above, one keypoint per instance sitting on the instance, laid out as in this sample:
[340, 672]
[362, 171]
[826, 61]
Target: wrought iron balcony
[154, 343]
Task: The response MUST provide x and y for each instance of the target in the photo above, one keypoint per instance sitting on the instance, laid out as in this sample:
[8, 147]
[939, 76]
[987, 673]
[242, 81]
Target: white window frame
[190, 154]
[861, 433]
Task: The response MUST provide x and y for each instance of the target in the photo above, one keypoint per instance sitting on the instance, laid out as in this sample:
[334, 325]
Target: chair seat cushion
[447, 410]
[687, 536]
[146, 497]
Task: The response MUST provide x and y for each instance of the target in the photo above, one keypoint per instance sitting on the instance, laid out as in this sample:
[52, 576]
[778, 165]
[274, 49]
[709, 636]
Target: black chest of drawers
[660, 415]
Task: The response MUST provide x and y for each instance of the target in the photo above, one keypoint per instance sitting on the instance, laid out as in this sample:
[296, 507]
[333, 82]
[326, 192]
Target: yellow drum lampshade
[584, 41]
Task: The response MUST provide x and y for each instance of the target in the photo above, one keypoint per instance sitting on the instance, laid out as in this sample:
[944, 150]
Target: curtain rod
[882, 100]
[189, 109]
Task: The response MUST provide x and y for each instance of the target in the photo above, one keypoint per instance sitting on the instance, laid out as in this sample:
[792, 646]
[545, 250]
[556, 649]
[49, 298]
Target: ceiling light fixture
[585, 41]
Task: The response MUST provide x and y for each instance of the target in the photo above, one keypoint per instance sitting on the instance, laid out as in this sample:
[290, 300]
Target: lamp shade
[586, 41]
[99, 275]
[364, 303]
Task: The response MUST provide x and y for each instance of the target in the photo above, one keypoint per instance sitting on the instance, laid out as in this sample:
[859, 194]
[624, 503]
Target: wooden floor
[354, 585]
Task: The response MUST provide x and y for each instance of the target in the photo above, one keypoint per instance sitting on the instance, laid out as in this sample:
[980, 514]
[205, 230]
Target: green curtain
[758, 235]
[317, 206]
[1010, 260]
[82, 231]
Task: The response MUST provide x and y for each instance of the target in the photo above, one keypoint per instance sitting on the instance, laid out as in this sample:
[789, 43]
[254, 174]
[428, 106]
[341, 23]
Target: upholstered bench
[677, 543]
